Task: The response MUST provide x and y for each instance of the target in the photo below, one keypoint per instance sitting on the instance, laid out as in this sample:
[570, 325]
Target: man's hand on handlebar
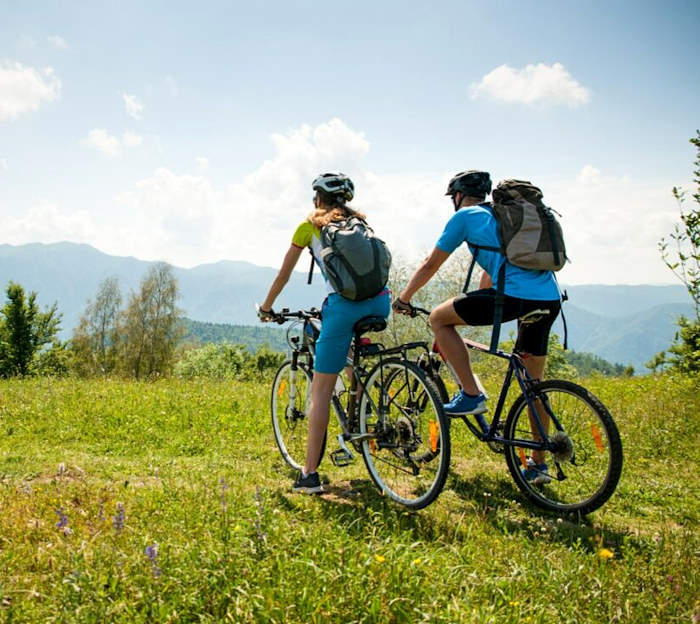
[403, 307]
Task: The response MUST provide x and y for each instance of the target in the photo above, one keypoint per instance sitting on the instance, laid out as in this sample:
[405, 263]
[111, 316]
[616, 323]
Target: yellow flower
[380, 558]
[514, 603]
[605, 553]
[417, 561]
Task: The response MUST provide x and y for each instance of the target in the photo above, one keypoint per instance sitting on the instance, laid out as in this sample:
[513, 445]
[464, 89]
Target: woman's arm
[423, 274]
[290, 261]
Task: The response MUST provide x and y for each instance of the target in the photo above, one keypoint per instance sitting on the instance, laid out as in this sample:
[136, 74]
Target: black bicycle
[561, 418]
[391, 413]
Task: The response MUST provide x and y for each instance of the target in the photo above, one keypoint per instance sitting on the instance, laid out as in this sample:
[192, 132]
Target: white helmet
[338, 185]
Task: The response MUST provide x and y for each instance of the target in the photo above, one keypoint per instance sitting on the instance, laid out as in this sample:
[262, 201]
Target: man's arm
[423, 273]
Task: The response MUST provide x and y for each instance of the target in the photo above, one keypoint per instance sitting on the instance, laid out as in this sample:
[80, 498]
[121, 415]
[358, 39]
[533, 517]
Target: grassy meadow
[168, 502]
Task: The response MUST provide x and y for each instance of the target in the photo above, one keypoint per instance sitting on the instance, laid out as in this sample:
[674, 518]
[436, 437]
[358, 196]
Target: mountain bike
[391, 413]
[564, 419]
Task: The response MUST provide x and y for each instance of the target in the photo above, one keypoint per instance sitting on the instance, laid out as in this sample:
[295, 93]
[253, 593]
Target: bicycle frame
[348, 419]
[516, 368]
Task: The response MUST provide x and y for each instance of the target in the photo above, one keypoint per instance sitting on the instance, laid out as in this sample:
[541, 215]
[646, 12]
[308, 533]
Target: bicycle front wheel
[585, 465]
[408, 455]
[290, 403]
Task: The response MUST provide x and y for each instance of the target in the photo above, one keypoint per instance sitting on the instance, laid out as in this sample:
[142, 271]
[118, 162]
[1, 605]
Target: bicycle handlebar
[285, 315]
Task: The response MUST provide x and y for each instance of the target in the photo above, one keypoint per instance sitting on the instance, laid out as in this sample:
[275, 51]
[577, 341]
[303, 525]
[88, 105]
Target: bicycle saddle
[369, 324]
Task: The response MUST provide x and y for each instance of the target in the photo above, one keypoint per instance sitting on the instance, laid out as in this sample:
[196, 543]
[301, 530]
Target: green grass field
[168, 502]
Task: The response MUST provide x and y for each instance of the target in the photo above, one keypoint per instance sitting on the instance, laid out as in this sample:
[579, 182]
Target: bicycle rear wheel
[585, 467]
[409, 454]
[290, 402]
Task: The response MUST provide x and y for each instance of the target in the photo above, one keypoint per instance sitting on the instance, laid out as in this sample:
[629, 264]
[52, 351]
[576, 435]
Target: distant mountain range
[622, 324]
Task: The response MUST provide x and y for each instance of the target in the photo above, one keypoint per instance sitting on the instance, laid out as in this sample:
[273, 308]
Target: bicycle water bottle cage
[369, 324]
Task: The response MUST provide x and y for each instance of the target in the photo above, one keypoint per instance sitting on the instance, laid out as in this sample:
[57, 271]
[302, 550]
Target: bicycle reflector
[523, 459]
[434, 432]
[596, 436]
[283, 385]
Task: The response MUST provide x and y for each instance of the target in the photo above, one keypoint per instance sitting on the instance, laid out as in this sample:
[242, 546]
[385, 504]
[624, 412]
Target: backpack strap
[311, 267]
[563, 297]
[498, 310]
[474, 255]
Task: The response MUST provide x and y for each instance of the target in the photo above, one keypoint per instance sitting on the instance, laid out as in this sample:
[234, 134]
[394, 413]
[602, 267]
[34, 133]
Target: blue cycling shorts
[338, 316]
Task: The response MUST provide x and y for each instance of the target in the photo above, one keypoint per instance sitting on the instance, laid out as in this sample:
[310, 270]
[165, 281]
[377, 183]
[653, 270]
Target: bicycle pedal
[341, 458]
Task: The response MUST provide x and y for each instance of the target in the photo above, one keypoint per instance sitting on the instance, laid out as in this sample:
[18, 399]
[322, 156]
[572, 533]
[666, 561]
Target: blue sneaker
[536, 474]
[461, 405]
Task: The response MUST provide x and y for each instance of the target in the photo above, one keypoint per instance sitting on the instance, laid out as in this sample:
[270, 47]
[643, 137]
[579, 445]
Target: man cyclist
[525, 290]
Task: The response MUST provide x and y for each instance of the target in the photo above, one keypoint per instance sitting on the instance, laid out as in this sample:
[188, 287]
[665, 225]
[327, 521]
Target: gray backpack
[357, 262]
[531, 238]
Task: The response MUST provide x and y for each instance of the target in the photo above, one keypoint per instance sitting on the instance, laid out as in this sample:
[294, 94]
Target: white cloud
[131, 139]
[3, 164]
[111, 145]
[24, 89]
[202, 163]
[612, 226]
[48, 223]
[535, 84]
[57, 42]
[134, 108]
[611, 223]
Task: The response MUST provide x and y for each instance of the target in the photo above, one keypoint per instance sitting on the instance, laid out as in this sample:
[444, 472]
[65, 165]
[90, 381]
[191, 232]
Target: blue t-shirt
[477, 225]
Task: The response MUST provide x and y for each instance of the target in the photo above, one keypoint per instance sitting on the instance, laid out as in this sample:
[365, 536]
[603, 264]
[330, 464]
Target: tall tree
[150, 326]
[96, 337]
[682, 255]
[24, 330]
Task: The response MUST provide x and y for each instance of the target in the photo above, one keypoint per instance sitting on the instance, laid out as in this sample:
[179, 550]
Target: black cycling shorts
[478, 307]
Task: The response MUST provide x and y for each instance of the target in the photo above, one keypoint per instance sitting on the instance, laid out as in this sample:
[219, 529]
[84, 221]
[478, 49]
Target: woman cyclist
[339, 315]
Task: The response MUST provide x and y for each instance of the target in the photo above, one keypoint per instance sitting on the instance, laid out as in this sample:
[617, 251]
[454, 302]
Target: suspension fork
[293, 369]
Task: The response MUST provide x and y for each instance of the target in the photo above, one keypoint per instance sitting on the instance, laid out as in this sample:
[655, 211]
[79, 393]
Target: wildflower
[380, 558]
[118, 520]
[606, 553]
[224, 488]
[152, 554]
[417, 561]
[63, 522]
[514, 603]
[62, 519]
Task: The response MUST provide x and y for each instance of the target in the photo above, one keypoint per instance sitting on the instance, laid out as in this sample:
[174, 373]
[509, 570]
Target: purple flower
[118, 520]
[152, 554]
[63, 522]
[62, 519]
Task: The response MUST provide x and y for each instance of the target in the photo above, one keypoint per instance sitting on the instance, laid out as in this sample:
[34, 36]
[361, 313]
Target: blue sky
[190, 132]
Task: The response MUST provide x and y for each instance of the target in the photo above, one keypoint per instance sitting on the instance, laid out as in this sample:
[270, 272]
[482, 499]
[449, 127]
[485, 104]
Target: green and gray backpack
[356, 261]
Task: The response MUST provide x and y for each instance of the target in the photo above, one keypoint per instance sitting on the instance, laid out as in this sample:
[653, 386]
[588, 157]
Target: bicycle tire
[409, 458]
[587, 478]
[290, 423]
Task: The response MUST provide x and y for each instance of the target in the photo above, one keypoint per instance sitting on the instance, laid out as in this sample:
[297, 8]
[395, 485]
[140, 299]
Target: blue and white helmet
[337, 185]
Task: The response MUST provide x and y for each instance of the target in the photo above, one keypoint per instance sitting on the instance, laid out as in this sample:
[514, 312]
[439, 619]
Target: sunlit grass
[168, 501]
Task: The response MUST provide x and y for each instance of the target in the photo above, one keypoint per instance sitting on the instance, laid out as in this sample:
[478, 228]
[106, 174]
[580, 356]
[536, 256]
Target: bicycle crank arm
[360, 437]
[344, 447]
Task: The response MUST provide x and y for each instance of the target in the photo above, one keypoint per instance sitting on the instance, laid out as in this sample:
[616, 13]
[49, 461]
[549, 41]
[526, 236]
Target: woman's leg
[443, 320]
[322, 387]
